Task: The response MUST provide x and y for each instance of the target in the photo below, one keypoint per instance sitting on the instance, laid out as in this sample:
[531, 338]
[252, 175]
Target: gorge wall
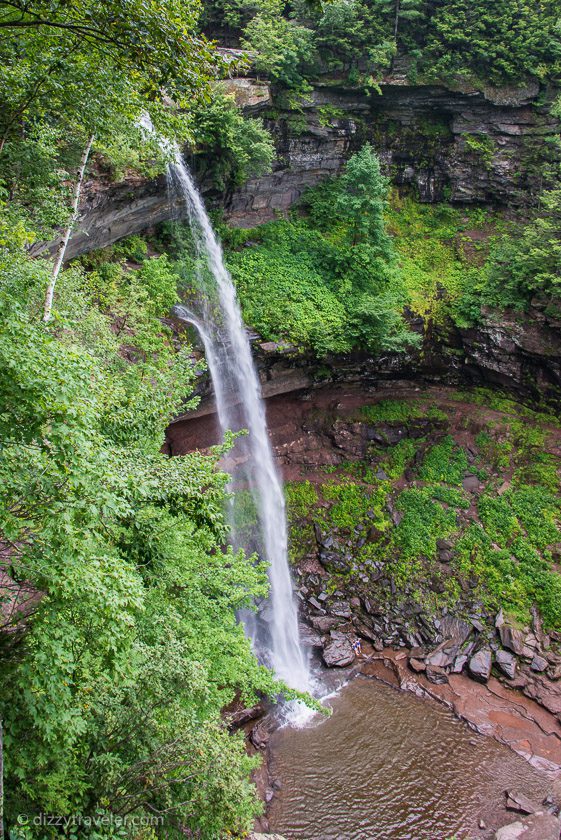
[518, 352]
[465, 146]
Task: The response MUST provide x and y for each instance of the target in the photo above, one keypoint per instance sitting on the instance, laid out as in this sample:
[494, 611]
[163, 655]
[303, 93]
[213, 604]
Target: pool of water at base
[388, 765]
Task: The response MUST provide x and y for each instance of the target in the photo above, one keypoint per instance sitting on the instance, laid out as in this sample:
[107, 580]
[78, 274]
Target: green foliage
[352, 503]
[444, 462]
[440, 250]
[501, 541]
[301, 498]
[400, 411]
[285, 294]
[350, 37]
[424, 522]
[157, 279]
[496, 42]
[232, 148]
[281, 46]
[391, 411]
[477, 40]
[327, 282]
[527, 264]
[362, 200]
[399, 458]
[482, 146]
[113, 681]
[69, 73]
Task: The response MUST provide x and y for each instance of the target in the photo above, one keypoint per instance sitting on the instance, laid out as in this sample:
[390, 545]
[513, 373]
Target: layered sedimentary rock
[465, 146]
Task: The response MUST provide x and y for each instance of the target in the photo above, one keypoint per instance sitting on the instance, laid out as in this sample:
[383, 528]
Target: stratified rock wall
[464, 146]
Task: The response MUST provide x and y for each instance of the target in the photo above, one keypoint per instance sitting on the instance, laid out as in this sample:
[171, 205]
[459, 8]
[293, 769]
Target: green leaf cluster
[328, 281]
[486, 42]
[119, 643]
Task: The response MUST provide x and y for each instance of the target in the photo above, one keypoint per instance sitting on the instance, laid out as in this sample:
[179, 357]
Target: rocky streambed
[388, 486]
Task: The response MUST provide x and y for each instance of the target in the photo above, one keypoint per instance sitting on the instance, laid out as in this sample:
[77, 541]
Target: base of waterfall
[394, 763]
[501, 679]
[298, 715]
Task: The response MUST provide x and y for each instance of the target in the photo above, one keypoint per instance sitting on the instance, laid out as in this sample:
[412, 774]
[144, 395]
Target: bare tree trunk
[61, 250]
[397, 10]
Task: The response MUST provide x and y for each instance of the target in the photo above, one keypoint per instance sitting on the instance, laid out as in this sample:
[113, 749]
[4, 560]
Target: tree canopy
[481, 41]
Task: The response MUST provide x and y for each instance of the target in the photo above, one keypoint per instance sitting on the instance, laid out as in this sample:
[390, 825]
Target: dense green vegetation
[445, 264]
[120, 652]
[481, 41]
[396, 507]
[528, 265]
[119, 642]
[456, 262]
[328, 280]
[119, 645]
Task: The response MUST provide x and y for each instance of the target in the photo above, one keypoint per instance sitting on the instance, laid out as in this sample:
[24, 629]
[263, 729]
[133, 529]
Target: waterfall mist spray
[216, 315]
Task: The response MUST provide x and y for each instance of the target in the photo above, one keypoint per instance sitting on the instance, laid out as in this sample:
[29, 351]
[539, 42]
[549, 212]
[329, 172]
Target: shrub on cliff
[231, 147]
[529, 264]
[329, 281]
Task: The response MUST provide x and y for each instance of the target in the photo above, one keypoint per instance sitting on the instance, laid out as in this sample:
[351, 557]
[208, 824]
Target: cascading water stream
[216, 315]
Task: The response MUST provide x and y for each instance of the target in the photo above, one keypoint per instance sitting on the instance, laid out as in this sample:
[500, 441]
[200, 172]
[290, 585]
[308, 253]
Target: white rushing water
[216, 314]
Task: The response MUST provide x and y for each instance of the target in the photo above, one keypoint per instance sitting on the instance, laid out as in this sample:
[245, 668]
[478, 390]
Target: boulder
[506, 662]
[313, 602]
[538, 663]
[338, 652]
[521, 803]
[310, 637]
[363, 630]
[436, 675]
[341, 609]
[471, 483]
[324, 623]
[443, 656]
[417, 665]
[518, 641]
[538, 826]
[333, 560]
[259, 735]
[459, 663]
[480, 665]
[325, 542]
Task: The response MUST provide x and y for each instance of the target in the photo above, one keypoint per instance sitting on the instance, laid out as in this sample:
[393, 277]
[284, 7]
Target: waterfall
[216, 315]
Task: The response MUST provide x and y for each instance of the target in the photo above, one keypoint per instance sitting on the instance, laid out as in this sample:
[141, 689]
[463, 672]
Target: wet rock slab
[338, 652]
[538, 826]
[491, 709]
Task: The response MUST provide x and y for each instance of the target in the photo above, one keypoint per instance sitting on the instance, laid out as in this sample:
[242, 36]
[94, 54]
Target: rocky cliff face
[465, 146]
[514, 351]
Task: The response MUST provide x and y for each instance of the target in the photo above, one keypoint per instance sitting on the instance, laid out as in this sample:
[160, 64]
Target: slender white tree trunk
[61, 250]
[396, 21]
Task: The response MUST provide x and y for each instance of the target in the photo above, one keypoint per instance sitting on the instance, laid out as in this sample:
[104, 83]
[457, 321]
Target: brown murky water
[390, 766]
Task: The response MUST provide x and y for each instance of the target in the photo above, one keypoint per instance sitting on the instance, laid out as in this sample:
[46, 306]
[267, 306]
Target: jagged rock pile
[343, 600]
[536, 821]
